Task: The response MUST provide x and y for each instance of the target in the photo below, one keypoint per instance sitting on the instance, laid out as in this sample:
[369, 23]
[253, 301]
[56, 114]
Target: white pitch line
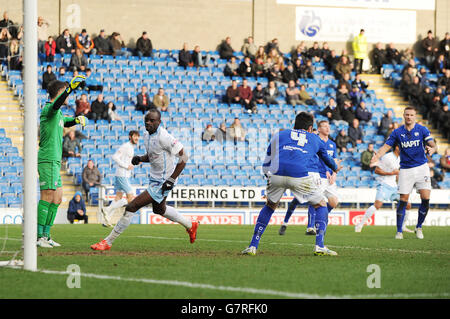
[297, 244]
[249, 290]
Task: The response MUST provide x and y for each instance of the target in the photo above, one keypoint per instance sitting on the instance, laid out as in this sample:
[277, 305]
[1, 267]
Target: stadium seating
[195, 101]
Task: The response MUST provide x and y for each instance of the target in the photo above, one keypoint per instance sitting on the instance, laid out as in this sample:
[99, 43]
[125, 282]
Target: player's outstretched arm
[383, 150]
[61, 98]
[70, 121]
[431, 147]
[170, 182]
[379, 171]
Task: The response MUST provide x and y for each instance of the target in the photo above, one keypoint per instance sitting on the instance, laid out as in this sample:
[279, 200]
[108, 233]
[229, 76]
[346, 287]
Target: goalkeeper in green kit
[52, 123]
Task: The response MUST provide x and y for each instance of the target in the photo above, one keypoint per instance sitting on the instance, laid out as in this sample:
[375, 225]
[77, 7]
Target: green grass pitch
[157, 261]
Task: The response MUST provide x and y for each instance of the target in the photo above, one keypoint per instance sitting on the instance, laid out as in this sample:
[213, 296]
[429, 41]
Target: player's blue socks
[311, 216]
[321, 224]
[291, 207]
[401, 208]
[329, 207]
[261, 224]
[423, 211]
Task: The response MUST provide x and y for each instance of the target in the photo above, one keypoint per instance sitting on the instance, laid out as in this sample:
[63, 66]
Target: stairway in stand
[393, 99]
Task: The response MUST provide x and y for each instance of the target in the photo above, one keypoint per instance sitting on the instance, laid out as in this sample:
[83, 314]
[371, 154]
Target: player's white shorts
[329, 190]
[418, 177]
[305, 189]
[122, 184]
[386, 193]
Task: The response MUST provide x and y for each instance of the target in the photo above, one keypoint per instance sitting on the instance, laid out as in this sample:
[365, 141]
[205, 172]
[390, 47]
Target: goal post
[30, 134]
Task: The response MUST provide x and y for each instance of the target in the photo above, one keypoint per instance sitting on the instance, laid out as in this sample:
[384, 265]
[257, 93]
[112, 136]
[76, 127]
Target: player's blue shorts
[122, 184]
[154, 190]
[386, 193]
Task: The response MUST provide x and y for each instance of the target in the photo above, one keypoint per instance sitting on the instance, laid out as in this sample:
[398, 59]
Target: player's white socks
[173, 215]
[369, 212]
[121, 225]
[406, 217]
[116, 204]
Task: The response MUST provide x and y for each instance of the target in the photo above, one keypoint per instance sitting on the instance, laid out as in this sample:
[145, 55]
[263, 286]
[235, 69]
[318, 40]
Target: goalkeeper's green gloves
[75, 82]
[81, 120]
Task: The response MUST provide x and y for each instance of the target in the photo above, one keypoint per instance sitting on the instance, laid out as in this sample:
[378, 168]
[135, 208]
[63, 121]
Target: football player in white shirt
[387, 170]
[122, 157]
[162, 149]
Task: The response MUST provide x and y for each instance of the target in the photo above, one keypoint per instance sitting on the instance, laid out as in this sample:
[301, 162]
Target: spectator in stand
[15, 58]
[91, 84]
[414, 91]
[362, 113]
[61, 73]
[5, 37]
[444, 46]
[78, 61]
[258, 94]
[342, 94]
[342, 67]
[299, 53]
[393, 56]
[185, 57]
[406, 55]
[99, 110]
[84, 43]
[143, 103]
[433, 112]
[362, 86]
[359, 50]
[366, 157]
[430, 48]
[42, 28]
[441, 64]
[325, 52]
[289, 74]
[275, 74]
[50, 49]
[385, 123]
[246, 96]
[161, 100]
[112, 113]
[221, 133]
[378, 57]
[271, 93]
[237, 131]
[48, 77]
[232, 93]
[347, 112]
[77, 209]
[314, 52]
[293, 94]
[225, 49]
[71, 145]
[270, 46]
[208, 134]
[356, 95]
[332, 112]
[9, 25]
[261, 53]
[444, 80]
[443, 123]
[144, 46]
[91, 177]
[246, 68]
[65, 43]
[102, 44]
[118, 46]
[392, 128]
[331, 62]
[355, 132]
[306, 70]
[231, 68]
[444, 161]
[249, 48]
[83, 107]
[305, 98]
[342, 141]
[346, 81]
[406, 81]
[199, 59]
[258, 67]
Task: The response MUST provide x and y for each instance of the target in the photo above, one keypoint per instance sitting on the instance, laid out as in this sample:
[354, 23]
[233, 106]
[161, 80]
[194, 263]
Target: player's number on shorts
[299, 137]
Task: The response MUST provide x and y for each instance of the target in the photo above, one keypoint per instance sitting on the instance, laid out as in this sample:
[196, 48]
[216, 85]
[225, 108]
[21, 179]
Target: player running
[122, 157]
[328, 181]
[415, 142]
[52, 123]
[162, 148]
[387, 170]
[292, 163]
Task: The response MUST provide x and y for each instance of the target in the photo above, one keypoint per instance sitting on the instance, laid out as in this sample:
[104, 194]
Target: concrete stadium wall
[169, 23]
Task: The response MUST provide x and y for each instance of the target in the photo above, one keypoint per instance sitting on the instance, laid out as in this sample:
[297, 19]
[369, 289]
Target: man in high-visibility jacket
[359, 50]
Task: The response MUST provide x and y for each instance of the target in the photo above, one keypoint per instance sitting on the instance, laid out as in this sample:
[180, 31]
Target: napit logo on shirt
[310, 24]
[414, 143]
